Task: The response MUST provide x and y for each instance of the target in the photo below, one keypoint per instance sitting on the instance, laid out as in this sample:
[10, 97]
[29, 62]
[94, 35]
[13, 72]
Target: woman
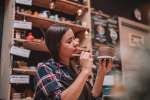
[56, 79]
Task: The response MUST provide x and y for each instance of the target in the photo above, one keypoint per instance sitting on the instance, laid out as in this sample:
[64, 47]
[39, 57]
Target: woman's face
[68, 45]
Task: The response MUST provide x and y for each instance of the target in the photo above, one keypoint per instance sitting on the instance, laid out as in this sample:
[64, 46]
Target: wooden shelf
[45, 22]
[64, 6]
[19, 40]
[99, 14]
[27, 70]
[33, 45]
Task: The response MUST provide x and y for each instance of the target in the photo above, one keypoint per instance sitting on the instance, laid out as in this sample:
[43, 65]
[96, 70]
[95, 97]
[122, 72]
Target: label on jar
[24, 2]
[20, 51]
[22, 24]
[20, 79]
[108, 80]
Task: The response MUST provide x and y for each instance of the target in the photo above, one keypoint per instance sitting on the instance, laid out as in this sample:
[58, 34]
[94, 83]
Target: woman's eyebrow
[71, 38]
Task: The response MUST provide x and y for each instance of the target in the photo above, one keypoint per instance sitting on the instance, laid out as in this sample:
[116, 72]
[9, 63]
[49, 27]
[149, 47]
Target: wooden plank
[37, 46]
[33, 45]
[45, 22]
[64, 6]
[99, 14]
[26, 70]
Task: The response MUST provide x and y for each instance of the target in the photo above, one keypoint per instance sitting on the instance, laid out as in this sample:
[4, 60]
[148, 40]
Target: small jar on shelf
[17, 34]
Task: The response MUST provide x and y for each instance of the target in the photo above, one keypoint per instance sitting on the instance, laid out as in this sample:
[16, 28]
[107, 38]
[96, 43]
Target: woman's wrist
[102, 70]
[86, 71]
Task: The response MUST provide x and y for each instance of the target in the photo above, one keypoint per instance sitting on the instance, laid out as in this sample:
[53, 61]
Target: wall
[5, 69]
[122, 8]
[1, 29]
[145, 8]
[1, 21]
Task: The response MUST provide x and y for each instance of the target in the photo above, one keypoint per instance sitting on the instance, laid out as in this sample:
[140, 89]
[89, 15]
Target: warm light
[51, 5]
[86, 34]
[79, 12]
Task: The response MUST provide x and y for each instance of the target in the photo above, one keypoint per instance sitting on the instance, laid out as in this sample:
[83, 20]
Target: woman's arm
[74, 90]
[103, 69]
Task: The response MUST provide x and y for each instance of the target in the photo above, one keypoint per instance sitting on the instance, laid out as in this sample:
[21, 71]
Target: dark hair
[53, 38]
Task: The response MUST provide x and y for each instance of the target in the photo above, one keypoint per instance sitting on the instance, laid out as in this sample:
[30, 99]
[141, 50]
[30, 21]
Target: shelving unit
[33, 45]
[102, 24]
[45, 22]
[133, 39]
[27, 71]
[18, 65]
[100, 14]
[62, 6]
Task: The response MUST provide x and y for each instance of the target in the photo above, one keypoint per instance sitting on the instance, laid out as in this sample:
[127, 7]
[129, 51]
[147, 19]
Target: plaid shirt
[53, 77]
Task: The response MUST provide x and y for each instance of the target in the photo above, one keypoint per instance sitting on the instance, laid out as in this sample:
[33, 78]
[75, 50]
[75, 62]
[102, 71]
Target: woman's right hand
[86, 61]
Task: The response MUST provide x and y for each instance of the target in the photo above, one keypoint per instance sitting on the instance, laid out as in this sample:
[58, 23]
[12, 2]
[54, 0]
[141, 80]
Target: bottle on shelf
[30, 36]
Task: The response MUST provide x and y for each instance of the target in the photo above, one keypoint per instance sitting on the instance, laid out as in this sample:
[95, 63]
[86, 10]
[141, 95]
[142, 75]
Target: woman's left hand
[105, 64]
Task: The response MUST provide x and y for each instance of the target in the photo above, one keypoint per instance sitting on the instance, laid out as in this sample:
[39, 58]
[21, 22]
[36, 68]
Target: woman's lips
[78, 50]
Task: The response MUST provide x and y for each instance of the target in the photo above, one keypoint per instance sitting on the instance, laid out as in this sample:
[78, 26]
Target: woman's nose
[76, 42]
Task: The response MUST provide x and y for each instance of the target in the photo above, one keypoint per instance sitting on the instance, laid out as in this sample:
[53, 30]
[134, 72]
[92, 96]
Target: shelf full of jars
[31, 20]
[105, 41]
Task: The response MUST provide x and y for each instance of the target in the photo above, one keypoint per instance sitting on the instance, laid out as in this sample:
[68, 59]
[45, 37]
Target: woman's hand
[86, 61]
[105, 64]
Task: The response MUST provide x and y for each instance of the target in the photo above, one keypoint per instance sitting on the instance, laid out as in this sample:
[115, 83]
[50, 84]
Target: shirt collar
[58, 64]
